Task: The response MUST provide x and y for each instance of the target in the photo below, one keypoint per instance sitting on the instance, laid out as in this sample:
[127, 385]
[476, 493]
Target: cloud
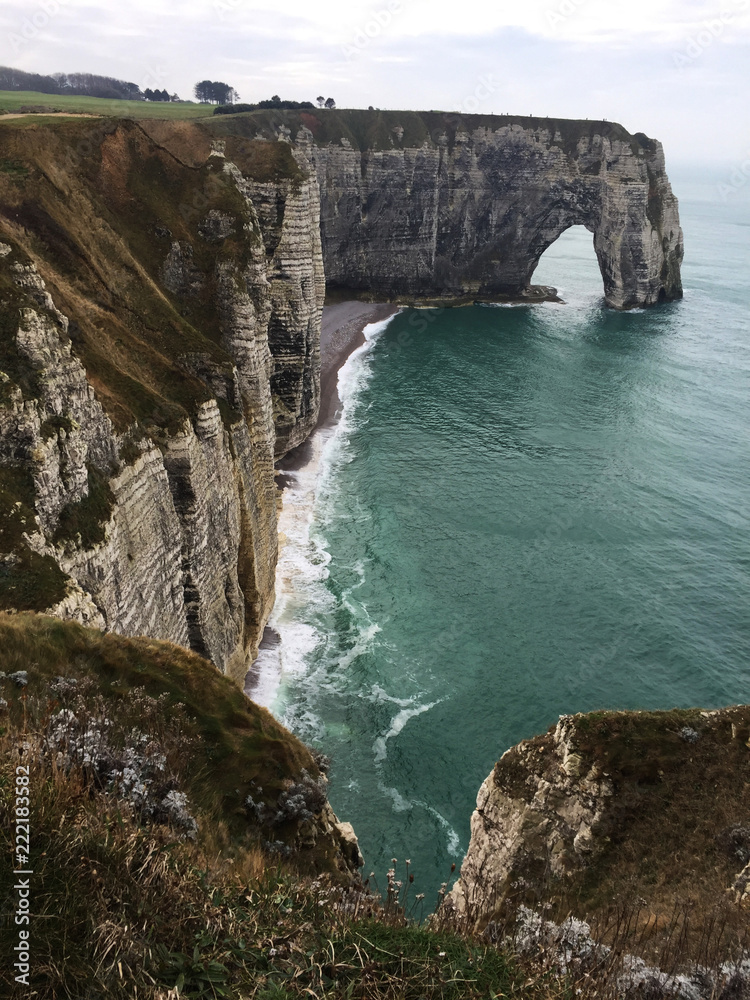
[676, 69]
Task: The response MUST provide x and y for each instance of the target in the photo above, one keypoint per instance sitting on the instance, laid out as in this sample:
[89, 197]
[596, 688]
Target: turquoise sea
[525, 511]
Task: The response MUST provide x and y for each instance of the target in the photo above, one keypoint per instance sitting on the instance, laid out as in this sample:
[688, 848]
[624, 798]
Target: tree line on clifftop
[109, 88]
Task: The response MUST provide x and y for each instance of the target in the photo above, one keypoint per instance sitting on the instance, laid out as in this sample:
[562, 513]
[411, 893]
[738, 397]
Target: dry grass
[231, 746]
[676, 801]
[122, 907]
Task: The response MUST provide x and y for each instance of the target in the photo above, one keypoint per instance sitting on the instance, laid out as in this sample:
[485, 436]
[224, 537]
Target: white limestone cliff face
[592, 788]
[470, 211]
[188, 545]
[296, 293]
[536, 805]
[169, 566]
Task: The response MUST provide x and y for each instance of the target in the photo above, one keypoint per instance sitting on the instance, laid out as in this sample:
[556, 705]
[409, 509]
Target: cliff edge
[160, 295]
[640, 809]
[441, 206]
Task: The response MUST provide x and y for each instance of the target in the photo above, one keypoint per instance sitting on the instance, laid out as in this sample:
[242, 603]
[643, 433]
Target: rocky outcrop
[587, 795]
[463, 206]
[471, 212]
[147, 389]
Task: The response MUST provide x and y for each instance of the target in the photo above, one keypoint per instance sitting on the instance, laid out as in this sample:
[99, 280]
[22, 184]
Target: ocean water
[524, 511]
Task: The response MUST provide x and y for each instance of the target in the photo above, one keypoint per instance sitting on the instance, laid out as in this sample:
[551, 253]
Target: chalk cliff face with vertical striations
[161, 308]
[470, 212]
[463, 206]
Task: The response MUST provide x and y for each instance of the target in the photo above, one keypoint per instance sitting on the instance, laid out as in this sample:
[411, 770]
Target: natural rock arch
[570, 241]
[469, 212]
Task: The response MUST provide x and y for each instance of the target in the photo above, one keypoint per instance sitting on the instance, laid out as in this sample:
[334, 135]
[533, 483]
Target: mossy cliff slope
[160, 302]
[153, 782]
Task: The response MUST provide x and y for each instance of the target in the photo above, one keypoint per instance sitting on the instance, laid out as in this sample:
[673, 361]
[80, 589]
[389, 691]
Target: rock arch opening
[570, 264]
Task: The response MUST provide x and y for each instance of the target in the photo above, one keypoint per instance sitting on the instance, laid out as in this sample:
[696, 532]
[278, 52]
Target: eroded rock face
[290, 223]
[537, 806]
[169, 564]
[470, 211]
[590, 791]
[164, 524]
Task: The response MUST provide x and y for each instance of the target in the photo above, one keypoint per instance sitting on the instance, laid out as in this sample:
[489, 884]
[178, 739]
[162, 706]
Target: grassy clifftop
[15, 101]
[96, 206]
[229, 747]
[151, 876]
[367, 130]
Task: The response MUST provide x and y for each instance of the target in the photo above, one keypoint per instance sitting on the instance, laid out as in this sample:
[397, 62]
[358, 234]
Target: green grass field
[13, 100]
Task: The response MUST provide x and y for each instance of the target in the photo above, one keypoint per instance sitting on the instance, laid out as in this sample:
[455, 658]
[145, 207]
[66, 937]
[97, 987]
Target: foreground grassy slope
[132, 902]
[124, 905]
[232, 745]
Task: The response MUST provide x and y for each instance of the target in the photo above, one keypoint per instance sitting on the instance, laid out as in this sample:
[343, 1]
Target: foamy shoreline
[299, 474]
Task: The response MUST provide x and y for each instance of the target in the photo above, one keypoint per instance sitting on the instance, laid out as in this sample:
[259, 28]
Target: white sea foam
[379, 695]
[400, 804]
[363, 643]
[454, 841]
[301, 594]
[397, 724]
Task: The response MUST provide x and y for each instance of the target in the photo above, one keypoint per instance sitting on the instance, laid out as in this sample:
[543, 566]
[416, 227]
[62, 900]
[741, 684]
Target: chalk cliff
[651, 806]
[161, 308]
[463, 206]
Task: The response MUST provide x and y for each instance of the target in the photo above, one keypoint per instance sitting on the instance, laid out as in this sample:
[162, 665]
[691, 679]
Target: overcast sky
[676, 69]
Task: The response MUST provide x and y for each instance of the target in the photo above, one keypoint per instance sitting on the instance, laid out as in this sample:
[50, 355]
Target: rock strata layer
[443, 206]
[160, 347]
